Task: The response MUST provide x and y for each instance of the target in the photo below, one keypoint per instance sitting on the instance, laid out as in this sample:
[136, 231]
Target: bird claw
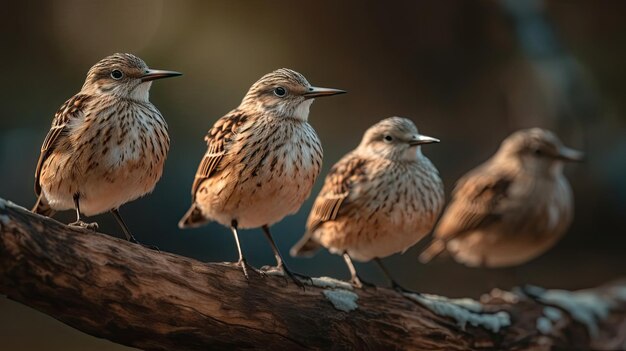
[359, 283]
[151, 247]
[283, 271]
[80, 224]
[402, 290]
[154, 248]
[245, 266]
[147, 246]
[272, 270]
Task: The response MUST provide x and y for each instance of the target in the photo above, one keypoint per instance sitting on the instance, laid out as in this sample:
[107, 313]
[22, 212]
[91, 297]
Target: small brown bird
[107, 144]
[379, 199]
[262, 160]
[512, 208]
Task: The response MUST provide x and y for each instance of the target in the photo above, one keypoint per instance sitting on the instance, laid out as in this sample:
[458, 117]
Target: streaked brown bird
[378, 200]
[261, 162]
[107, 144]
[512, 208]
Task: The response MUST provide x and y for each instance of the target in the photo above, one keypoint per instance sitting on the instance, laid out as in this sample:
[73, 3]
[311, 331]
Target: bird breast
[266, 174]
[112, 156]
[126, 135]
[395, 207]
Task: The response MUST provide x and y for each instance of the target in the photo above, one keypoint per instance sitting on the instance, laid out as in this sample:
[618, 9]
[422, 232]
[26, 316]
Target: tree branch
[134, 296]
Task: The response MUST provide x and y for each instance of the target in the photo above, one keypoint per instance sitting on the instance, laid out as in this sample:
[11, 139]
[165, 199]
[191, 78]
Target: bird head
[123, 76]
[395, 138]
[284, 93]
[538, 150]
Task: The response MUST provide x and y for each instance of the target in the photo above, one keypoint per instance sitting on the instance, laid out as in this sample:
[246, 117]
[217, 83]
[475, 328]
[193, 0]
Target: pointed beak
[153, 74]
[422, 139]
[321, 92]
[567, 154]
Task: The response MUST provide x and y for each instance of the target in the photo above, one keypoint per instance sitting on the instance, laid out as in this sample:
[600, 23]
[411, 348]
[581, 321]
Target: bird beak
[152, 74]
[320, 92]
[567, 154]
[422, 139]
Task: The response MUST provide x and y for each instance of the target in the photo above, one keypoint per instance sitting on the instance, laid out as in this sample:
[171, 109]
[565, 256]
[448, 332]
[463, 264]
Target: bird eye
[280, 91]
[538, 152]
[117, 74]
[388, 138]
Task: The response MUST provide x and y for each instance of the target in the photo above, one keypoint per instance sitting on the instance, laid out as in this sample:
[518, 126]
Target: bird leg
[245, 266]
[281, 267]
[79, 223]
[129, 236]
[356, 280]
[394, 285]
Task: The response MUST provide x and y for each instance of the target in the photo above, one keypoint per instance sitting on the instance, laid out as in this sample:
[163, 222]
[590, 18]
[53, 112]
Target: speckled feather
[217, 137]
[261, 161]
[106, 145]
[71, 109]
[372, 206]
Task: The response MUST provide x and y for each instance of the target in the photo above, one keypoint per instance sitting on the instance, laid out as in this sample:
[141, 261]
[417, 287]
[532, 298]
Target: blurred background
[467, 72]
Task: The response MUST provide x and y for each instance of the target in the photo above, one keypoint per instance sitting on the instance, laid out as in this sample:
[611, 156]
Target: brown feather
[71, 109]
[510, 209]
[193, 218]
[42, 207]
[217, 139]
[477, 202]
[329, 202]
[335, 191]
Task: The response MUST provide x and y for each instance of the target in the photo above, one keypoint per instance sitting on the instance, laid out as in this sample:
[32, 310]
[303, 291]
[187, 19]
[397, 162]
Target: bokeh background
[467, 72]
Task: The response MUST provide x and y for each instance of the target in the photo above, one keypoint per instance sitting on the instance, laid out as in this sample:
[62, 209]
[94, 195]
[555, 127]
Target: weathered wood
[131, 295]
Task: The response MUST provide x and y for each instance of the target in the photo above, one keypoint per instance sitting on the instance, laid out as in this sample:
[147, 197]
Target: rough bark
[131, 295]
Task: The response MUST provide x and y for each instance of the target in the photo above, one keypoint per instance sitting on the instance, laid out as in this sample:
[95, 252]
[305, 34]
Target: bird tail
[193, 218]
[433, 250]
[306, 247]
[42, 207]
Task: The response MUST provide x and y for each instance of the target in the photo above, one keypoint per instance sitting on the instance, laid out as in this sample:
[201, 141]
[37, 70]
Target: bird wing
[479, 199]
[217, 140]
[72, 109]
[336, 190]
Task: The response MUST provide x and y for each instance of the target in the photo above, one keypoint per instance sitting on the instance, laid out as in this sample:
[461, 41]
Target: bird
[107, 144]
[261, 161]
[510, 209]
[379, 199]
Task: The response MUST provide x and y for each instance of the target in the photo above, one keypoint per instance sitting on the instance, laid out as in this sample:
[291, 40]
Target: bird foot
[297, 278]
[402, 290]
[80, 224]
[246, 267]
[147, 246]
[359, 283]
[151, 247]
